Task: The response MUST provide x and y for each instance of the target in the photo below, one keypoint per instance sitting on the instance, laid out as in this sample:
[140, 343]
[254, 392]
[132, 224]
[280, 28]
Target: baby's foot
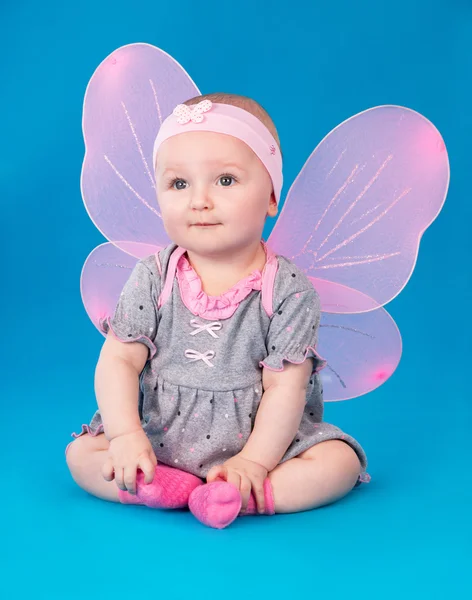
[218, 504]
[170, 488]
[215, 504]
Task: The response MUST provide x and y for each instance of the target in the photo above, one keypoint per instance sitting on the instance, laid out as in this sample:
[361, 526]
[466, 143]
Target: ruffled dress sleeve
[136, 315]
[294, 326]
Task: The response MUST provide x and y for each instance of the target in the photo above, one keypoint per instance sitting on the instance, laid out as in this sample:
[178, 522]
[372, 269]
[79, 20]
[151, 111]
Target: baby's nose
[200, 199]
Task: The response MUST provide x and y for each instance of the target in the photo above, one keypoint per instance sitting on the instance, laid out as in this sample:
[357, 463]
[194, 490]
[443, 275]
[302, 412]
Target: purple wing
[363, 350]
[131, 92]
[355, 214]
[352, 221]
[104, 275]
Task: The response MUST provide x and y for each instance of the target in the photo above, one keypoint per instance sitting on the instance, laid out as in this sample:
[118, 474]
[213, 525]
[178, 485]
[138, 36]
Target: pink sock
[170, 488]
[218, 504]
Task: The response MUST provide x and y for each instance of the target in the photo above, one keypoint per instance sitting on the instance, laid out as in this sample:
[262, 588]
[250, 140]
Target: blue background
[407, 533]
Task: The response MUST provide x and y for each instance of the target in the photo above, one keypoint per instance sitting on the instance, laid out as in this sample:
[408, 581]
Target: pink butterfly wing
[356, 212]
[363, 350]
[129, 95]
[103, 277]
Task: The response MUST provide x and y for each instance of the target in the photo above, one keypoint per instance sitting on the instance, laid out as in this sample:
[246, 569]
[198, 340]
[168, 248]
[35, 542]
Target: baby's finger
[108, 471]
[148, 468]
[258, 492]
[218, 472]
[245, 492]
[234, 478]
[119, 478]
[130, 479]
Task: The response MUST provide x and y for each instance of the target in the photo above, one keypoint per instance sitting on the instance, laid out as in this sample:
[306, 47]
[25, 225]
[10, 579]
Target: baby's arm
[277, 421]
[279, 413]
[286, 371]
[117, 385]
[117, 389]
[129, 341]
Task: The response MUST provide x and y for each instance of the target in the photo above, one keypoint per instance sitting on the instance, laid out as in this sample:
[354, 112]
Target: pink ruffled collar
[215, 307]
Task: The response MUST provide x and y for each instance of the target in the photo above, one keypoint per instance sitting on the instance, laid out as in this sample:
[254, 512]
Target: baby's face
[206, 177]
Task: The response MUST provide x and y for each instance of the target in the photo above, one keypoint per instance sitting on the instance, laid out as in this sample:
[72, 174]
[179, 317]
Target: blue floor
[408, 533]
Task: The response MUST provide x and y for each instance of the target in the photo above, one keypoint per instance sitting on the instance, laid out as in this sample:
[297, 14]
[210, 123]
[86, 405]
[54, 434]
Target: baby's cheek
[174, 226]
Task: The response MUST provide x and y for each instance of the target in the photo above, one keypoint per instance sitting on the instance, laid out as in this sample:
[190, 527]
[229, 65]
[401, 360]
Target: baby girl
[208, 383]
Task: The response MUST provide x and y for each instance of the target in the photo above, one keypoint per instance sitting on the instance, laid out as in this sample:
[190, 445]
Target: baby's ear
[273, 208]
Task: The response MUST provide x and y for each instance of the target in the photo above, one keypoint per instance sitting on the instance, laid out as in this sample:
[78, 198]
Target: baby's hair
[243, 102]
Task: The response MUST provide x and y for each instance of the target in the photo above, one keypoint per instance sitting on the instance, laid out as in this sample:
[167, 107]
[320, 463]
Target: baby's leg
[321, 475]
[85, 458]
[170, 488]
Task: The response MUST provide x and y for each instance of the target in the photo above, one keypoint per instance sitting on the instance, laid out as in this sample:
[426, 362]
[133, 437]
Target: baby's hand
[245, 475]
[128, 453]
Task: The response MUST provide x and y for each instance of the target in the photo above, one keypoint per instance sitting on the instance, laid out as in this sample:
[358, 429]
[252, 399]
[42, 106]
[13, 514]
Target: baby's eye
[226, 180]
[178, 184]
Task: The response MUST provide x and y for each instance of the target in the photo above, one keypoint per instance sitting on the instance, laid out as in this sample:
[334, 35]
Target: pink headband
[231, 120]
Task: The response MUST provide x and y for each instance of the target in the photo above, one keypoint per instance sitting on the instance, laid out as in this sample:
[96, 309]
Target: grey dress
[202, 384]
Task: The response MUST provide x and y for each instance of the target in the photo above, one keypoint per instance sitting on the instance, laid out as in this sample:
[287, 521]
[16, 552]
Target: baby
[208, 382]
